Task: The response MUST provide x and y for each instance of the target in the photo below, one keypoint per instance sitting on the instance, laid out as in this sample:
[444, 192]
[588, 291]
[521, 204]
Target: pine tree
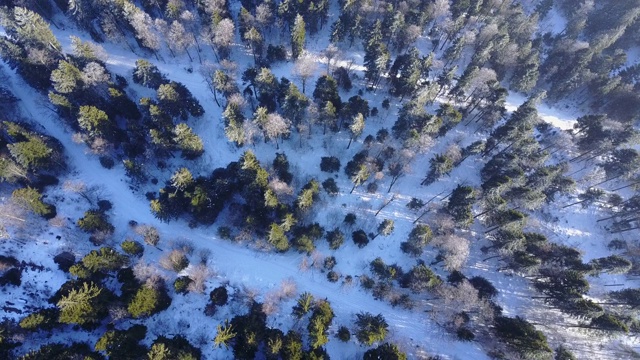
[277, 238]
[83, 306]
[360, 177]
[181, 179]
[94, 121]
[298, 34]
[224, 335]
[31, 199]
[371, 328]
[66, 78]
[356, 128]
[33, 154]
[188, 141]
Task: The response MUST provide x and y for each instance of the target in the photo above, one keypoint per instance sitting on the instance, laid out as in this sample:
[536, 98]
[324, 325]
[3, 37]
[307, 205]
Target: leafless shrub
[288, 289]
[143, 271]
[443, 224]
[101, 238]
[304, 264]
[247, 295]
[58, 221]
[100, 146]
[12, 215]
[79, 138]
[204, 255]
[455, 250]
[281, 189]
[454, 153]
[317, 260]
[149, 233]
[155, 282]
[198, 275]
[76, 186]
[117, 313]
[271, 304]
[176, 260]
[184, 245]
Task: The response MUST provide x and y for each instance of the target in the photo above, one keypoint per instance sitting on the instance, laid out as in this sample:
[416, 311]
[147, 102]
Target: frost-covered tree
[303, 69]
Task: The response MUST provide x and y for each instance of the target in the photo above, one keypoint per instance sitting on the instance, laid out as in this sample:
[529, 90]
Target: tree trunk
[385, 205]
[626, 186]
[575, 203]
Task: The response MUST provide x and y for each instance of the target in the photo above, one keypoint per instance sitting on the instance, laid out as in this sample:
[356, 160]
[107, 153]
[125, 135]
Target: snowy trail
[237, 264]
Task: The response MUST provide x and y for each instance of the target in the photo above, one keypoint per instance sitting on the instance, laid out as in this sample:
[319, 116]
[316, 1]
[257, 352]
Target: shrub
[224, 232]
[329, 164]
[335, 238]
[176, 348]
[329, 262]
[344, 334]
[367, 282]
[64, 260]
[181, 284]
[219, 296]
[360, 238]
[132, 247]
[465, 334]
[330, 186]
[176, 260]
[12, 276]
[123, 344]
[350, 219]
[415, 204]
[385, 351]
[107, 162]
[333, 276]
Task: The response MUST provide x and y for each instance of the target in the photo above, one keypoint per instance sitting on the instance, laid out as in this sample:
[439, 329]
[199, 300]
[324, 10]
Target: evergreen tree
[356, 128]
[31, 199]
[360, 177]
[86, 305]
[95, 122]
[224, 335]
[385, 351]
[370, 328]
[277, 238]
[298, 34]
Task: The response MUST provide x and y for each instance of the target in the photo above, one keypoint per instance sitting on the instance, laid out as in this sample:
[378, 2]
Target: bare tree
[331, 52]
[264, 17]
[276, 126]
[303, 69]
[143, 25]
[223, 35]
[454, 250]
[179, 40]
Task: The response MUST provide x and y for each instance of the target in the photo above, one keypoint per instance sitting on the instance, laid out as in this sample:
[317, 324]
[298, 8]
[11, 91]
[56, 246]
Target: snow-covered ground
[242, 265]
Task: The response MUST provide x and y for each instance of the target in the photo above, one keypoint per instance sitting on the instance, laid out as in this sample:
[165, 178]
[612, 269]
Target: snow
[242, 265]
[554, 22]
[563, 120]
